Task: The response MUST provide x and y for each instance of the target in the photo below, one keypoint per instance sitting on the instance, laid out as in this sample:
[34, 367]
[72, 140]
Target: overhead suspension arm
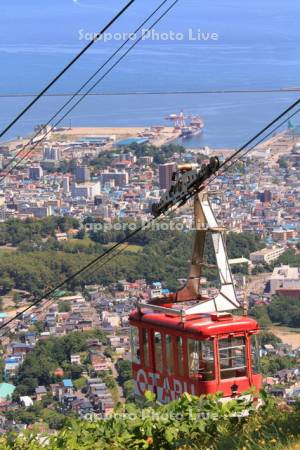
[186, 182]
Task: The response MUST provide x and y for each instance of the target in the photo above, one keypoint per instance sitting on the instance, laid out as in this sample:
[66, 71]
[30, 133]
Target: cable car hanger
[187, 182]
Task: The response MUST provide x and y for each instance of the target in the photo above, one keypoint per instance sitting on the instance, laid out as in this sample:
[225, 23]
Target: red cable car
[189, 342]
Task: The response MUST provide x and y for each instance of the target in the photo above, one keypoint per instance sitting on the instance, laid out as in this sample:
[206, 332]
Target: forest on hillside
[39, 261]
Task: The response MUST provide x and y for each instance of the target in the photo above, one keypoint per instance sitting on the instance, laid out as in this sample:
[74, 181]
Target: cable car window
[232, 353]
[255, 355]
[201, 359]
[169, 354]
[135, 346]
[179, 353]
[146, 347]
[158, 351]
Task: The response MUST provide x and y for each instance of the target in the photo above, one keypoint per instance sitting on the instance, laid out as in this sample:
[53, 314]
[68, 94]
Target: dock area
[156, 136]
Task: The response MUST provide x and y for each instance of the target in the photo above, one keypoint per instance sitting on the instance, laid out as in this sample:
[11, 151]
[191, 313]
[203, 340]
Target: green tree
[80, 234]
[267, 337]
[17, 297]
[285, 310]
[270, 365]
[6, 283]
[54, 419]
[124, 371]
[39, 326]
[64, 307]
[260, 312]
[74, 371]
[1, 370]
[80, 383]
[283, 163]
[128, 388]
[289, 257]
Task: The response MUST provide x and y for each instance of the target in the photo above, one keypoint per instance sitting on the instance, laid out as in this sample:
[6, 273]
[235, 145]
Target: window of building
[145, 347]
[201, 359]
[232, 353]
[169, 354]
[135, 345]
[255, 355]
[179, 353]
[158, 351]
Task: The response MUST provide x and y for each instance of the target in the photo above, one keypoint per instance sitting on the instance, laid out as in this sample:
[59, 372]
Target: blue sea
[255, 45]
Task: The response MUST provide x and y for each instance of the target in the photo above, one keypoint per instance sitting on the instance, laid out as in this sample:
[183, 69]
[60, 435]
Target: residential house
[20, 348]
[61, 236]
[56, 390]
[26, 401]
[6, 391]
[68, 387]
[110, 320]
[114, 341]
[99, 362]
[75, 359]
[94, 345]
[107, 407]
[82, 406]
[85, 325]
[285, 375]
[68, 399]
[11, 365]
[30, 338]
[40, 392]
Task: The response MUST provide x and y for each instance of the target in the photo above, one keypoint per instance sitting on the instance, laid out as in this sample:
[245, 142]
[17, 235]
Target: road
[120, 390]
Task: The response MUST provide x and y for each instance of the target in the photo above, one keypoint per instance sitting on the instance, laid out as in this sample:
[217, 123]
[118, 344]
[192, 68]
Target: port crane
[188, 341]
[177, 119]
[194, 126]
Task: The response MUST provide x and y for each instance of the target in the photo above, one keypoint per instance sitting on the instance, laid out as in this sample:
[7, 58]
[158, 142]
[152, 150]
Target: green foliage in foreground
[188, 423]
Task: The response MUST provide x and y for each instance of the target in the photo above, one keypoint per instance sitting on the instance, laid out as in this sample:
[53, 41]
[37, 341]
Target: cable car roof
[206, 325]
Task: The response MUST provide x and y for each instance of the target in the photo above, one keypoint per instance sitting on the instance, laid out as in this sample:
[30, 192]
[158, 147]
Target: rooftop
[134, 140]
[203, 324]
[67, 383]
[40, 390]
[286, 272]
[6, 390]
[266, 251]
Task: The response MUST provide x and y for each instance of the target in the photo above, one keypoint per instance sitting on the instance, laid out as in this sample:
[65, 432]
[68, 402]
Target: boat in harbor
[189, 126]
[187, 132]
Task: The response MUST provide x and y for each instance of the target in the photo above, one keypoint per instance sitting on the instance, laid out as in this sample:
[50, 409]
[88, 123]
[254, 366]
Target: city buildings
[165, 174]
[87, 190]
[35, 173]
[285, 280]
[51, 153]
[120, 179]
[263, 198]
[82, 174]
[266, 255]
